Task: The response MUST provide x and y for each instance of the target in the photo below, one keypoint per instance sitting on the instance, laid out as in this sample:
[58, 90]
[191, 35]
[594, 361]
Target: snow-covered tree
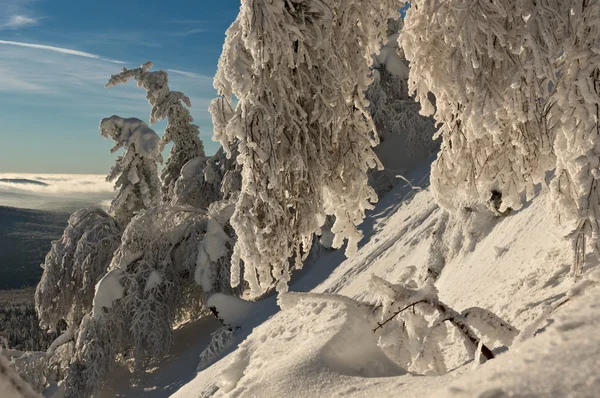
[173, 106]
[74, 265]
[169, 261]
[490, 74]
[299, 69]
[576, 115]
[11, 385]
[136, 171]
[204, 181]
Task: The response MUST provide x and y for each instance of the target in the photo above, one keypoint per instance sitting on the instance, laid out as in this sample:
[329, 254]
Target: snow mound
[317, 339]
[231, 310]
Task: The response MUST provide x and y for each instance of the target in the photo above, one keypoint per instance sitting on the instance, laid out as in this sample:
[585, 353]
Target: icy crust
[316, 339]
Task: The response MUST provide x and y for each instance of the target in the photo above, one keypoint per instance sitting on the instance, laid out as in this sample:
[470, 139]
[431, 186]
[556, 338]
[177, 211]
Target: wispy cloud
[20, 21]
[189, 32]
[188, 74]
[185, 22]
[17, 14]
[59, 50]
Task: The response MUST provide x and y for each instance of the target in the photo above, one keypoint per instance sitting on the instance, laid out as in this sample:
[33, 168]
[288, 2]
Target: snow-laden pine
[136, 172]
[576, 115]
[299, 70]
[74, 265]
[150, 285]
[491, 74]
[173, 106]
[206, 180]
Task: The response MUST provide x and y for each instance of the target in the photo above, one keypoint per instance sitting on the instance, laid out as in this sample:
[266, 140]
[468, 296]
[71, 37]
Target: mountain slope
[517, 267]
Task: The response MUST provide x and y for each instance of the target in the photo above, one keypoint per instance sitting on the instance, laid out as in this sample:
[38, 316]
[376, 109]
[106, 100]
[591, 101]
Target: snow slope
[321, 344]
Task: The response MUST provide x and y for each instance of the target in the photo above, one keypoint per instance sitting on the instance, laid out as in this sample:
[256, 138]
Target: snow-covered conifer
[204, 181]
[576, 114]
[490, 74]
[173, 106]
[11, 385]
[74, 265]
[299, 70]
[136, 171]
[151, 283]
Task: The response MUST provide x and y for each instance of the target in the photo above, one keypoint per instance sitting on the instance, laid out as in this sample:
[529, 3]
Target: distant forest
[25, 238]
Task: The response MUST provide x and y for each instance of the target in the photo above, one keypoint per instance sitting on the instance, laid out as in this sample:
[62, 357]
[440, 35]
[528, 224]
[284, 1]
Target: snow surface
[320, 344]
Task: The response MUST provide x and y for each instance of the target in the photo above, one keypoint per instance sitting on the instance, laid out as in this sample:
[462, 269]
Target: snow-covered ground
[318, 343]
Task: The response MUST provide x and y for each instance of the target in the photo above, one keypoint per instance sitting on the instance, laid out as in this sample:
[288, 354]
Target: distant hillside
[25, 237]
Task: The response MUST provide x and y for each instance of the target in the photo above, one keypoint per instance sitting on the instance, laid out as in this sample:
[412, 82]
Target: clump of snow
[316, 339]
[231, 310]
[131, 131]
[194, 167]
[108, 290]
[212, 248]
[394, 64]
[153, 281]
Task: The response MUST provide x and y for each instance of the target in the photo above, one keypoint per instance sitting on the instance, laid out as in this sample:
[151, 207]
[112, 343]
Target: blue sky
[56, 55]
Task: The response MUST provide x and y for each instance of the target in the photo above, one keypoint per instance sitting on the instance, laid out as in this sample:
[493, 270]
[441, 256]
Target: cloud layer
[90, 186]
[58, 50]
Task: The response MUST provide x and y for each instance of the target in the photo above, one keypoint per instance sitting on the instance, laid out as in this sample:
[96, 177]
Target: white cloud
[20, 21]
[62, 185]
[58, 50]
[188, 32]
[188, 74]
[17, 14]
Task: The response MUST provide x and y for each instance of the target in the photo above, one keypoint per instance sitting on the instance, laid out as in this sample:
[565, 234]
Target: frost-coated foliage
[299, 69]
[418, 326]
[136, 172]
[490, 74]
[576, 186]
[74, 265]
[11, 385]
[173, 106]
[149, 287]
[392, 109]
[204, 181]
[221, 339]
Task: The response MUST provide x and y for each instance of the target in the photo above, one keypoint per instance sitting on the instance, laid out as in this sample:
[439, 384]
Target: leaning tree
[173, 106]
[299, 70]
[491, 82]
